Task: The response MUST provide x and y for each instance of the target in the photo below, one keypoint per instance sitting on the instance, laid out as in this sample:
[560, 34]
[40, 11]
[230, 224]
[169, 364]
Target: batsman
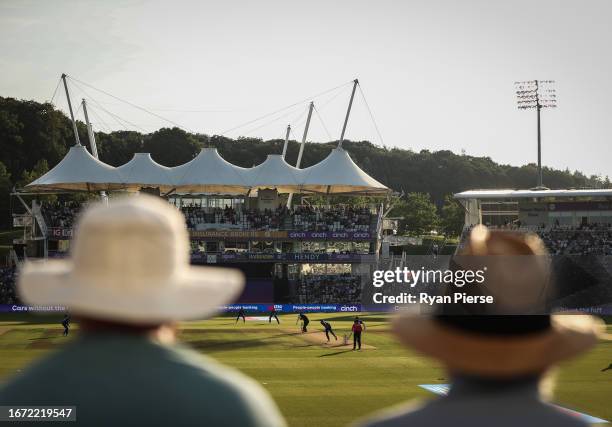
[305, 322]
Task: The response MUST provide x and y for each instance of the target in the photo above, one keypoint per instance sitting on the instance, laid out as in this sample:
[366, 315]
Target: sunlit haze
[436, 74]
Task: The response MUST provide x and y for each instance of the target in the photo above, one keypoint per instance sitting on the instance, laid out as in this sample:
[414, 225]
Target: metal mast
[536, 94]
[301, 152]
[286, 140]
[348, 112]
[92, 144]
[90, 132]
[74, 126]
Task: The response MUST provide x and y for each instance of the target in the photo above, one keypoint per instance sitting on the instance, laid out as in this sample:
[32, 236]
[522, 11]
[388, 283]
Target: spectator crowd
[8, 294]
[335, 218]
[299, 218]
[329, 289]
[60, 214]
[586, 239]
[595, 239]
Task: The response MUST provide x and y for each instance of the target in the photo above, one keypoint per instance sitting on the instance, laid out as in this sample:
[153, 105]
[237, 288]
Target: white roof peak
[78, 171]
[208, 172]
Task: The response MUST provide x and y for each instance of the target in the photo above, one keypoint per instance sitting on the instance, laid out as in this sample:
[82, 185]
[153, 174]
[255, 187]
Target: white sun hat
[130, 263]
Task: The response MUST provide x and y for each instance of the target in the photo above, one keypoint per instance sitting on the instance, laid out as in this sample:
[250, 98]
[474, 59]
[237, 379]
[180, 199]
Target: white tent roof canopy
[337, 173]
[208, 172]
[143, 171]
[274, 172]
[79, 171]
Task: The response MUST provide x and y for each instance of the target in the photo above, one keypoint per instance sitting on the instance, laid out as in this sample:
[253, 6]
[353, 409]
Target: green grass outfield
[314, 385]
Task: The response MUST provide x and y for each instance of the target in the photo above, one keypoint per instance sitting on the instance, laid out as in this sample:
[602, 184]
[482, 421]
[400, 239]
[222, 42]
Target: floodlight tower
[536, 94]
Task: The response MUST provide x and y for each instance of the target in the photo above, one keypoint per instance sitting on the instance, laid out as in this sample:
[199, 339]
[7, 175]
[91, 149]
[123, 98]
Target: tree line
[35, 136]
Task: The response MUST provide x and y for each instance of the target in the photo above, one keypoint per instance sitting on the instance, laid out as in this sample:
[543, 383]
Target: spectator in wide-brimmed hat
[495, 362]
[128, 281]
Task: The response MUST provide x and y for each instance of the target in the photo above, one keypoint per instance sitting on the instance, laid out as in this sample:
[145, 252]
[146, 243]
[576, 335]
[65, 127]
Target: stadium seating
[8, 295]
[60, 214]
[586, 240]
[329, 289]
[589, 239]
[300, 218]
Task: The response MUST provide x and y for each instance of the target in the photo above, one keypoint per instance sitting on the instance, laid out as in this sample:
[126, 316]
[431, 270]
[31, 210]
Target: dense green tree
[40, 168]
[171, 147]
[31, 132]
[5, 189]
[452, 217]
[117, 148]
[419, 214]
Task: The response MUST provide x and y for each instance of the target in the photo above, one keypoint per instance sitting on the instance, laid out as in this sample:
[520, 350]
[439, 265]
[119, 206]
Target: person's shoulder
[402, 414]
[250, 402]
[557, 416]
[486, 412]
[19, 387]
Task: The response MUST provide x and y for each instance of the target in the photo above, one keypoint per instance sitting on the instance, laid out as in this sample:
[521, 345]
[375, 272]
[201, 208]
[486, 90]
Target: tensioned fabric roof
[208, 172]
[274, 172]
[337, 173]
[143, 171]
[78, 171]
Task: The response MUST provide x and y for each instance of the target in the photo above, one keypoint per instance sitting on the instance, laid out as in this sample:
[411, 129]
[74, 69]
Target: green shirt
[118, 380]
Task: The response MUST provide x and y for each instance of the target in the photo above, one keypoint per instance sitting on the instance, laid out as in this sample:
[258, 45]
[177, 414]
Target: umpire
[357, 329]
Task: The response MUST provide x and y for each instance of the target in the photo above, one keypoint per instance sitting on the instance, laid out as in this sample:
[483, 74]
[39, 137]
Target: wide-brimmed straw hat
[494, 345]
[129, 263]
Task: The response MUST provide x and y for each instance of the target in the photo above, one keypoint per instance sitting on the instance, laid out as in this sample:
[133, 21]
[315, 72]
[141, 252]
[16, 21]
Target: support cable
[101, 123]
[250, 131]
[121, 121]
[326, 103]
[323, 123]
[284, 108]
[371, 115]
[130, 104]
[59, 81]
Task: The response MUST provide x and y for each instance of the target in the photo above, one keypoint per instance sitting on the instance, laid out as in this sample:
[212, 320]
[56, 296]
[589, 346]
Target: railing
[39, 218]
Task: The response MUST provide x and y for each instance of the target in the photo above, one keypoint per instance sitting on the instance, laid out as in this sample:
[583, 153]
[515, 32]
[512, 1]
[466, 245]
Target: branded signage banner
[16, 308]
[59, 233]
[330, 235]
[237, 235]
[280, 257]
[66, 233]
[281, 308]
[293, 308]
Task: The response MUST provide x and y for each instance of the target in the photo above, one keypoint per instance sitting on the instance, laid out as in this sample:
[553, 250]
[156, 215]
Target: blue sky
[436, 74]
